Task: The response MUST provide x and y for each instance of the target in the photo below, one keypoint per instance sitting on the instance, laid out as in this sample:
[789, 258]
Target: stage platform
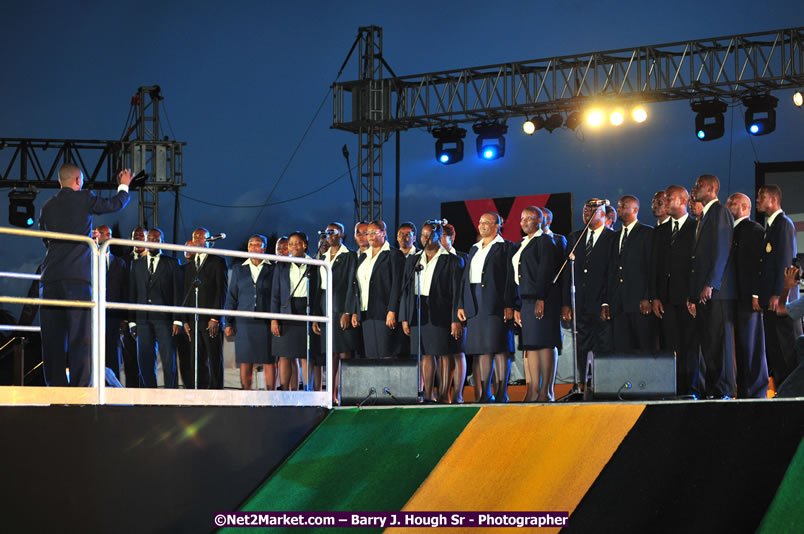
[703, 466]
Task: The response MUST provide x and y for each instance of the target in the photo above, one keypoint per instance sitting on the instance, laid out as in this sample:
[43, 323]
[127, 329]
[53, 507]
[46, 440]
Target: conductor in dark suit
[211, 271]
[117, 276]
[778, 252]
[712, 287]
[671, 267]
[66, 275]
[156, 279]
[628, 296]
[749, 337]
[592, 259]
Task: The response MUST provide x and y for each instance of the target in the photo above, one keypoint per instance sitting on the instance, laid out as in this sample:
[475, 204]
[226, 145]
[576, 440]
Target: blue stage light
[490, 141]
[21, 208]
[444, 158]
[760, 114]
[489, 153]
[754, 129]
[709, 123]
[449, 144]
[701, 134]
[30, 221]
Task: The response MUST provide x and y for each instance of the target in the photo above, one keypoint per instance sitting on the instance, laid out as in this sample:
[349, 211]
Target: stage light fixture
[760, 114]
[490, 142]
[798, 99]
[616, 117]
[594, 117]
[709, 124]
[639, 114]
[449, 144]
[553, 121]
[573, 120]
[21, 209]
[528, 127]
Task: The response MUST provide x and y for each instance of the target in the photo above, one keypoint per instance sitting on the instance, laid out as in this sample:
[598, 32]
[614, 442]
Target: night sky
[243, 81]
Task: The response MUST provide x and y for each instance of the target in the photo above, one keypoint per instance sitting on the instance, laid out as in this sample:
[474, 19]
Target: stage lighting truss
[449, 144]
[760, 114]
[490, 139]
[21, 211]
[709, 123]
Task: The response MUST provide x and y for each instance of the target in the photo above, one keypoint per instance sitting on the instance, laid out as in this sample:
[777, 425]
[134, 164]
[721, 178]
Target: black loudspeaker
[379, 382]
[634, 376]
[793, 385]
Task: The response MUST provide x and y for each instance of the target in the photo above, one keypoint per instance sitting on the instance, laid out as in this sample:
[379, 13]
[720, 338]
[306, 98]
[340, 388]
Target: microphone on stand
[215, 237]
[440, 222]
[598, 202]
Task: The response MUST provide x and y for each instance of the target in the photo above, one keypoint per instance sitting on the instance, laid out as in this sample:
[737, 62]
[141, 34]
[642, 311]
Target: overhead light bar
[709, 124]
[449, 144]
[21, 209]
[490, 139]
[760, 114]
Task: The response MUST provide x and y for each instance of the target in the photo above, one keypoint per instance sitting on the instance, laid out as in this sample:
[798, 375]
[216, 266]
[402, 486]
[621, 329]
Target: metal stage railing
[99, 305]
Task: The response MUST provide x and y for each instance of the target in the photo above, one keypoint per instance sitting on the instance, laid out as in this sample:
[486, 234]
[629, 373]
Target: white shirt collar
[385, 246]
[248, 262]
[630, 226]
[341, 250]
[681, 220]
[738, 221]
[497, 239]
[773, 216]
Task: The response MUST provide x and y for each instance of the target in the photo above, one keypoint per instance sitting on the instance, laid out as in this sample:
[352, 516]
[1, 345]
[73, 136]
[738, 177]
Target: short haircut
[67, 172]
[449, 230]
[380, 225]
[630, 197]
[338, 225]
[358, 223]
[495, 215]
[261, 238]
[678, 189]
[547, 213]
[773, 190]
[161, 233]
[301, 235]
[536, 211]
[710, 179]
[407, 224]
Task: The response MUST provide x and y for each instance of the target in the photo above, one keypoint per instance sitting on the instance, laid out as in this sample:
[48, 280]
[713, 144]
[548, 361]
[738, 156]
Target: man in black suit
[156, 279]
[211, 271]
[66, 275]
[128, 342]
[628, 296]
[749, 338]
[117, 275]
[711, 295]
[184, 347]
[671, 266]
[592, 257]
[778, 252]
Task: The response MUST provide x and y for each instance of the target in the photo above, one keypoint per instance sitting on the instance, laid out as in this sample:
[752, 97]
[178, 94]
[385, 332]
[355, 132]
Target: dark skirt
[293, 341]
[488, 334]
[342, 340]
[379, 341]
[253, 341]
[544, 333]
[435, 339]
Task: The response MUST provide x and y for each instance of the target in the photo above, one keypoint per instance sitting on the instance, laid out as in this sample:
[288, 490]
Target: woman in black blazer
[344, 265]
[289, 293]
[538, 306]
[486, 302]
[440, 277]
[379, 282]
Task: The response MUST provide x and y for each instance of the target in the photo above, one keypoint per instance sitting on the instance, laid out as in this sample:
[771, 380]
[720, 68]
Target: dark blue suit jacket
[213, 289]
[163, 288]
[280, 288]
[780, 238]
[711, 265]
[537, 267]
[746, 249]
[345, 285]
[71, 212]
[385, 286]
[671, 264]
[245, 295]
[497, 286]
[591, 272]
[629, 275]
[444, 290]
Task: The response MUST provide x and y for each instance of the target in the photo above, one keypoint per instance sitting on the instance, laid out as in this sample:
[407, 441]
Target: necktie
[589, 243]
[625, 237]
[151, 262]
[673, 233]
[197, 263]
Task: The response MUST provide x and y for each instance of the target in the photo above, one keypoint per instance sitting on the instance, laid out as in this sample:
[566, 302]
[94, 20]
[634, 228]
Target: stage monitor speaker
[634, 376]
[379, 382]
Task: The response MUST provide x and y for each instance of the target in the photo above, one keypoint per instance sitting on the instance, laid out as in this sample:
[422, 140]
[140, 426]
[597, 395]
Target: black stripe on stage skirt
[293, 341]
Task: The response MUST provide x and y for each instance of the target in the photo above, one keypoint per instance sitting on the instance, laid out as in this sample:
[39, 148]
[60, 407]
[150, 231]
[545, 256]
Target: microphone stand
[418, 270]
[196, 284]
[576, 389]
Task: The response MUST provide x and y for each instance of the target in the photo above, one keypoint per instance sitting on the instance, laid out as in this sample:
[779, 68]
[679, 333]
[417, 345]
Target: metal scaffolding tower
[26, 163]
[728, 67]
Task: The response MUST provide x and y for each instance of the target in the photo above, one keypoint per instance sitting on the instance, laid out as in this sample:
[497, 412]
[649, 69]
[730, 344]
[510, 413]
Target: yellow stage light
[639, 114]
[594, 118]
[798, 98]
[616, 117]
[528, 127]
